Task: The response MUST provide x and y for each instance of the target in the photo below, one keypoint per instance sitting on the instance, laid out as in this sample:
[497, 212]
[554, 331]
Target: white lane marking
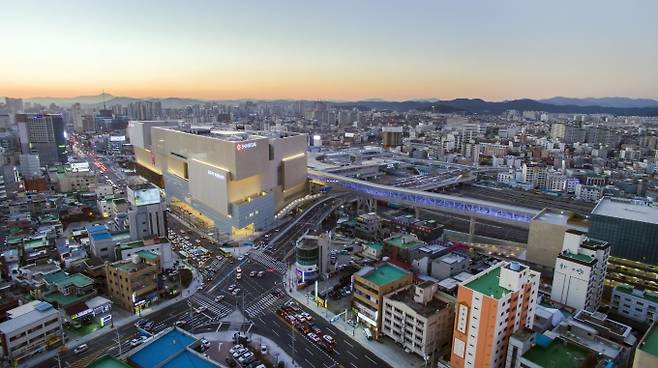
[350, 345]
[367, 357]
[353, 356]
[276, 333]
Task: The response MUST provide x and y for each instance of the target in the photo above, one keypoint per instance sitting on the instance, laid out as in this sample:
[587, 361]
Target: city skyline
[345, 52]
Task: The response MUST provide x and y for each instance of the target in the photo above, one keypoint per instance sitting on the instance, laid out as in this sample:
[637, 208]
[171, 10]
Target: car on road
[238, 270]
[315, 338]
[205, 343]
[263, 349]
[253, 273]
[137, 341]
[219, 298]
[326, 347]
[329, 339]
[179, 323]
[201, 309]
[260, 274]
[231, 287]
[307, 316]
[80, 349]
[241, 258]
[238, 276]
[236, 291]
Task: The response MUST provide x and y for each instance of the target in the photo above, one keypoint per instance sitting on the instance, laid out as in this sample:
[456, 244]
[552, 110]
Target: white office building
[640, 305]
[147, 214]
[30, 329]
[580, 270]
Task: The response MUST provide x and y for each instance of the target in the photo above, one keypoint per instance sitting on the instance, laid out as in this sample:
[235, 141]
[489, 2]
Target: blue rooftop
[162, 349]
[188, 359]
[96, 228]
[101, 236]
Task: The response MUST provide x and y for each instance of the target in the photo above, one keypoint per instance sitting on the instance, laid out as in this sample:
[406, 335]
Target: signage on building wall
[216, 175]
[462, 318]
[245, 146]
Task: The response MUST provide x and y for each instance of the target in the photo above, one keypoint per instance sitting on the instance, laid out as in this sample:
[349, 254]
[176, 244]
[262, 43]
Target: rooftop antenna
[103, 94]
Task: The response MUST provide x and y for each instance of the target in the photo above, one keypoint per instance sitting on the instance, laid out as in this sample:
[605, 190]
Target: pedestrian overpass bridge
[470, 207]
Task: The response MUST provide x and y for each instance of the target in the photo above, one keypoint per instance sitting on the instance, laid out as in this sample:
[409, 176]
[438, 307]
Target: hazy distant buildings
[42, 134]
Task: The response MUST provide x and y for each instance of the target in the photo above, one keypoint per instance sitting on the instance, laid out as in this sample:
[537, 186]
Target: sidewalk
[386, 350]
[186, 293]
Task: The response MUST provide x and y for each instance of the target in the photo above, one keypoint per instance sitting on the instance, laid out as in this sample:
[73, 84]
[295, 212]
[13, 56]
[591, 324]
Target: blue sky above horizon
[330, 50]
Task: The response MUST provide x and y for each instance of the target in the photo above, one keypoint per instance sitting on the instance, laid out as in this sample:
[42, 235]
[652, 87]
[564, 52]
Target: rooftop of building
[627, 209]
[581, 258]
[488, 283]
[217, 133]
[385, 274]
[644, 294]
[602, 321]
[147, 255]
[375, 245]
[406, 296]
[649, 343]
[558, 353]
[26, 314]
[108, 361]
[404, 241]
[130, 266]
[141, 243]
[562, 218]
[452, 258]
[63, 300]
[169, 350]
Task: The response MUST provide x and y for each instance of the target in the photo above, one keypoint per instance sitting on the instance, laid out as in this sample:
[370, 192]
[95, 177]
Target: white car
[219, 298]
[236, 291]
[80, 348]
[235, 348]
[238, 270]
[241, 258]
[245, 357]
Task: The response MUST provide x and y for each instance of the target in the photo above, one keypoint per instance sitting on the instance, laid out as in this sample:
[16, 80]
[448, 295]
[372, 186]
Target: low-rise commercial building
[158, 245]
[419, 320]
[369, 286]
[640, 305]
[133, 284]
[449, 265]
[30, 329]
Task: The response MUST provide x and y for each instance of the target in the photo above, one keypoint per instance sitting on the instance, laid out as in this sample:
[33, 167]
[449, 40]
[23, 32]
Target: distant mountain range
[622, 102]
[605, 105]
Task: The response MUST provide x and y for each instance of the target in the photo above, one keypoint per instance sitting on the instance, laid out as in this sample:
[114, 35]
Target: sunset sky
[330, 49]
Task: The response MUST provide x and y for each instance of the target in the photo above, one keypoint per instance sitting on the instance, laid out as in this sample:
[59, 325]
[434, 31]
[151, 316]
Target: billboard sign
[147, 196]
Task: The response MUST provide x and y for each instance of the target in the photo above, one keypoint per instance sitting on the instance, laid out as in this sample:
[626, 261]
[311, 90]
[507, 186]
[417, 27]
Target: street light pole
[118, 341]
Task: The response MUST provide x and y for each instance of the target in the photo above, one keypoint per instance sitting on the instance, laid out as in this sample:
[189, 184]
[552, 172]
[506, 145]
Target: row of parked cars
[242, 355]
[302, 322]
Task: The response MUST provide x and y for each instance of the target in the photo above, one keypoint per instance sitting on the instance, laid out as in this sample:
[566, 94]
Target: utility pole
[118, 340]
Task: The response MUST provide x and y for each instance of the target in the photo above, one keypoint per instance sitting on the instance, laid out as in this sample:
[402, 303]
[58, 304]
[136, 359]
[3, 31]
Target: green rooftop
[488, 284]
[55, 277]
[558, 354]
[63, 300]
[385, 274]
[650, 343]
[147, 255]
[578, 257]
[78, 280]
[404, 241]
[107, 361]
[648, 295]
[375, 245]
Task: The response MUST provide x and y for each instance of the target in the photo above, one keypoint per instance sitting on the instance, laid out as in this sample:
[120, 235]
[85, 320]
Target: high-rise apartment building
[42, 134]
[147, 214]
[76, 117]
[491, 306]
[580, 271]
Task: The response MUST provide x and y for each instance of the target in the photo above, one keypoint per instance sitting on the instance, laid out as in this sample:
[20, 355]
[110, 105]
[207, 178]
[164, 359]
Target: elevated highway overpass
[470, 207]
